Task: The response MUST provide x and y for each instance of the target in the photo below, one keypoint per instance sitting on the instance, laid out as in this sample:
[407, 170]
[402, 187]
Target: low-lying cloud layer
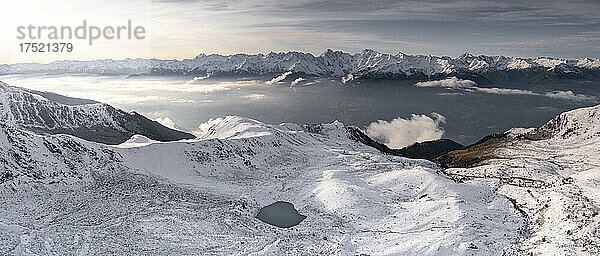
[161, 119]
[197, 78]
[204, 128]
[279, 78]
[254, 96]
[166, 122]
[505, 91]
[401, 132]
[569, 95]
[298, 80]
[454, 83]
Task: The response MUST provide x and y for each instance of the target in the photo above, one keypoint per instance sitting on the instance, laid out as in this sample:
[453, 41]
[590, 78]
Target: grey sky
[184, 28]
[518, 28]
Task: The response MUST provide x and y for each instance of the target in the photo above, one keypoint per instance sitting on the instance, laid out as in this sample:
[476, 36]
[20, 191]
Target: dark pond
[281, 214]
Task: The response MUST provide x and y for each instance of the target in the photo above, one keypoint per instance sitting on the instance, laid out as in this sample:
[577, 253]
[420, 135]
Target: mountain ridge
[202, 196]
[366, 64]
[550, 174]
[44, 112]
[568, 127]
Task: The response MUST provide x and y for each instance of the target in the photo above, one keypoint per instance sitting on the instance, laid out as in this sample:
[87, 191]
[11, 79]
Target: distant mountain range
[367, 64]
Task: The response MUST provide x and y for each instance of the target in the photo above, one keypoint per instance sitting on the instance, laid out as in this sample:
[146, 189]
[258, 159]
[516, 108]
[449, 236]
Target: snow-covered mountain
[367, 64]
[63, 195]
[551, 173]
[50, 113]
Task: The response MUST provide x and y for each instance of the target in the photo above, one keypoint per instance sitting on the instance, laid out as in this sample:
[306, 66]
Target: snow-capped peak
[234, 127]
[137, 141]
[579, 124]
[367, 63]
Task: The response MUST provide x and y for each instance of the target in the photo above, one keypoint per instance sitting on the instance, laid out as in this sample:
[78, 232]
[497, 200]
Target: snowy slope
[553, 175]
[200, 197]
[92, 121]
[61, 195]
[364, 64]
[27, 109]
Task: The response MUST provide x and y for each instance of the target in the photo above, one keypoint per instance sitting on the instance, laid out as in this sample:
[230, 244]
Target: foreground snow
[62, 195]
[555, 181]
[537, 192]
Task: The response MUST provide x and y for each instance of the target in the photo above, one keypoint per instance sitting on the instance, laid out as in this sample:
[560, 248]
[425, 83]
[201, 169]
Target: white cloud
[438, 117]
[254, 96]
[568, 95]
[347, 78]
[204, 128]
[470, 86]
[452, 82]
[279, 78]
[457, 84]
[189, 101]
[130, 99]
[161, 119]
[197, 78]
[504, 91]
[298, 80]
[166, 122]
[449, 93]
[401, 132]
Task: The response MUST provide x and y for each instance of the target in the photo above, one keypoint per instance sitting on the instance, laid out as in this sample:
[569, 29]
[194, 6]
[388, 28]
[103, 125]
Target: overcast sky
[183, 29]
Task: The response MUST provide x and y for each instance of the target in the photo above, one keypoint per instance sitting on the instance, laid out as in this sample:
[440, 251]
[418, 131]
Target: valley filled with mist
[396, 112]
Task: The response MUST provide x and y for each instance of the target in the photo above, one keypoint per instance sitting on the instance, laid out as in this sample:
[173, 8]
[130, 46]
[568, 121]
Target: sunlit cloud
[463, 85]
[452, 82]
[198, 78]
[161, 118]
[504, 91]
[569, 95]
[204, 128]
[166, 122]
[278, 78]
[401, 132]
[254, 96]
[298, 80]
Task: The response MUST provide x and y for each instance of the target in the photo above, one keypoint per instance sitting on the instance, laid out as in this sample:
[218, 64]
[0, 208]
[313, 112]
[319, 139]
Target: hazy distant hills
[367, 64]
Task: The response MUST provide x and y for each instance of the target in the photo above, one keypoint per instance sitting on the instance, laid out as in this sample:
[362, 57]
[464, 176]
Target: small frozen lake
[281, 214]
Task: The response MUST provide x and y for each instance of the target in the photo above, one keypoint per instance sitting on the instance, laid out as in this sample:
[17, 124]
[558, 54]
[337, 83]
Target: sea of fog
[462, 112]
